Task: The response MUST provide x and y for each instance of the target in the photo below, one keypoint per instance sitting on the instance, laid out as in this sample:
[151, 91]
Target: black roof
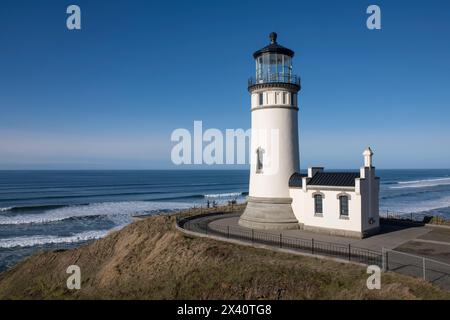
[274, 47]
[296, 180]
[330, 179]
[334, 179]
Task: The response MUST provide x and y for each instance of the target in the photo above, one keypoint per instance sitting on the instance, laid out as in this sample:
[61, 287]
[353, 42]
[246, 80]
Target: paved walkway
[412, 244]
[389, 238]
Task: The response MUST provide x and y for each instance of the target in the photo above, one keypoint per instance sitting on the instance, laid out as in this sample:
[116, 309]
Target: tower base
[269, 214]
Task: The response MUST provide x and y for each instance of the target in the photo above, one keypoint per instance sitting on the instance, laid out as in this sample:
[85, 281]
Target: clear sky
[108, 96]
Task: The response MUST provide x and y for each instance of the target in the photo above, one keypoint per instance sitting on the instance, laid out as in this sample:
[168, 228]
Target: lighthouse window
[294, 99]
[284, 97]
[259, 70]
[280, 66]
[260, 98]
[343, 206]
[259, 160]
[318, 204]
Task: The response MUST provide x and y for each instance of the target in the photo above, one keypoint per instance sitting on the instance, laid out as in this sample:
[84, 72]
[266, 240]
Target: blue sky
[109, 96]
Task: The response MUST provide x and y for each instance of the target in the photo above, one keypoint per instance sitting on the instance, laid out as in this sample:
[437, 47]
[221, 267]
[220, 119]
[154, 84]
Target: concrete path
[389, 238]
[420, 251]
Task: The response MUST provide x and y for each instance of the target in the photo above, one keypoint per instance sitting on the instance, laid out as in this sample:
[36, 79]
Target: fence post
[312, 246]
[349, 252]
[424, 272]
[387, 260]
[281, 239]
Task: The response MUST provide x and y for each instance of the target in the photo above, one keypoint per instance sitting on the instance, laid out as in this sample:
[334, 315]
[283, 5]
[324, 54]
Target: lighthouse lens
[273, 67]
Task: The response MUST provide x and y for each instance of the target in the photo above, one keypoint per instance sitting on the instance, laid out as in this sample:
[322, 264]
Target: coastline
[150, 259]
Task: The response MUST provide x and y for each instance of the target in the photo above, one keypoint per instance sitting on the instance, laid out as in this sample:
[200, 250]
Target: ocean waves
[119, 211]
[408, 205]
[20, 209]
[224, 195]
[39, 240]
[429, 195]
[421, 183]
[122, 210]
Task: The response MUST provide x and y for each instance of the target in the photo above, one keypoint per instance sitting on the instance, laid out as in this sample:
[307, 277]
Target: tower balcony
[274, 79]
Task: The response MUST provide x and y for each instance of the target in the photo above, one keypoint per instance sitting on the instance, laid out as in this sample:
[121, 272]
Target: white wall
[273, 97]
[275, 129]
[363, 204]
[303, 207]
[369, 188]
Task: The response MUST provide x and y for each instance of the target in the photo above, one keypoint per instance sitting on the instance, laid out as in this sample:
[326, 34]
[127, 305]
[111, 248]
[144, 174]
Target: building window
[260, 99]
[343, 206]
[259, 160]
[284, 97]
[318, 204]
[276, 97]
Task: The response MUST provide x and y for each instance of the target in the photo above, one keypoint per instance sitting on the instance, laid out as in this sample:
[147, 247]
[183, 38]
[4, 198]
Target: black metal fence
[430, 270]
[311, 246]
[418, 217]
[389, 260]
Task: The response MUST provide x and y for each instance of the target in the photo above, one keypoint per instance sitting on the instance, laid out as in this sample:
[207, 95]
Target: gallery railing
[275, 78]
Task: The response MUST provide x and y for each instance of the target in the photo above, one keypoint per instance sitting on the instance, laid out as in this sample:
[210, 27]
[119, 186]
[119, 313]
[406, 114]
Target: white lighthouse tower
[274, 142]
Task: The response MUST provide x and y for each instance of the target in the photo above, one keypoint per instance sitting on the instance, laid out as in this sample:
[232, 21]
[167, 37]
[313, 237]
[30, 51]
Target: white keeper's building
[280, 197]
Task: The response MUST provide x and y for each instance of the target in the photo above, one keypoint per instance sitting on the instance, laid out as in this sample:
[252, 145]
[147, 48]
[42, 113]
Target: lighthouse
[274, 148]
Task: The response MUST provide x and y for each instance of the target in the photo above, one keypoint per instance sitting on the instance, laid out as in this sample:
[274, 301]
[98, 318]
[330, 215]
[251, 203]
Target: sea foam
[29, 241]
[421, 183]
[120, 212]
[224, 195]
[408, 206]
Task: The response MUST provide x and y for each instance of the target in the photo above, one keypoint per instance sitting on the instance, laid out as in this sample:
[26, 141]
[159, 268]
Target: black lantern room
[274, 65]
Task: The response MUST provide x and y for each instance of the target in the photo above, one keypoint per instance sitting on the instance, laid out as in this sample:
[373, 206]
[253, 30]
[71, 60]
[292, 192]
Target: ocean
[63, 209]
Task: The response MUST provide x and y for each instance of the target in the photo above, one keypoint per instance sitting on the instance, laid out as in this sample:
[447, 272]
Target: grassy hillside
[150, 259]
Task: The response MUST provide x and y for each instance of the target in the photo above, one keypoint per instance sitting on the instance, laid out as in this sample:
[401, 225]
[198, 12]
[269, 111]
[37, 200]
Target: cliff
[150, 259]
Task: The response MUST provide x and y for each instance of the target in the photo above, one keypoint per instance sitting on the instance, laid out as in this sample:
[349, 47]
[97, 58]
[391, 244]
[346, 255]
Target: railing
[417, 217]
[275, 78]
[311, 246]
[430, 270]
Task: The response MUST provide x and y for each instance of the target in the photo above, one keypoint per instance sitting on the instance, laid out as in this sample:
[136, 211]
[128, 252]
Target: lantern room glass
[273, 67]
